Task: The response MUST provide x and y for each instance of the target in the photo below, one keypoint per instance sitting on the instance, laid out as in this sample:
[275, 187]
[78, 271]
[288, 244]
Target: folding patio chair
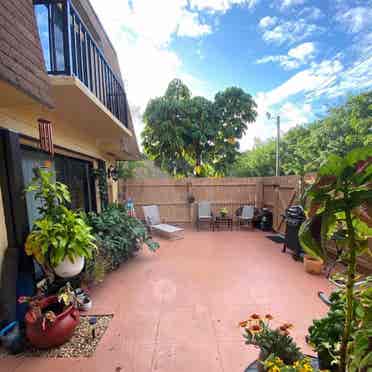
[246, 217]
[204, 214]
[154, 223]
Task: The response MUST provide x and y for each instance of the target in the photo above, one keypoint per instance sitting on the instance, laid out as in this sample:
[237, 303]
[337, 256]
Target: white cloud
[296, 57]
[355, 19]
[267, 21]
[356, 77]
[286, 62]
[328, 79]
[285, 4]
[189, 26]
[141, 31]
[220, 5]
[302, 51]
[290, 31]
[311, 13]
[291, 115]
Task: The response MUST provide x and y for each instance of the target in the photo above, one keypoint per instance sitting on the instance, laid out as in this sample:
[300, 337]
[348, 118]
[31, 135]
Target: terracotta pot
[313, 265]
[69, 269]
[49, 335]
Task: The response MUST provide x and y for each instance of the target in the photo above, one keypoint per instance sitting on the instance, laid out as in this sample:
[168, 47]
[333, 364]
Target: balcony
[73, 57]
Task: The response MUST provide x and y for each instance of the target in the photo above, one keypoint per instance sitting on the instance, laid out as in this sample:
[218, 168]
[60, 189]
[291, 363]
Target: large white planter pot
[68, 269]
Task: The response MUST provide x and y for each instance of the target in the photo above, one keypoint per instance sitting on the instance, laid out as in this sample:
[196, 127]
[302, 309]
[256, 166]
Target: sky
[297, 58]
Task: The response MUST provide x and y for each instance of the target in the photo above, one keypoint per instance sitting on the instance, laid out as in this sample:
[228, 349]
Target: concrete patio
[177, 310]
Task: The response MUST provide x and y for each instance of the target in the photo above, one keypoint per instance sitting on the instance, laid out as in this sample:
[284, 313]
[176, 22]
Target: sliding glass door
[75, 173]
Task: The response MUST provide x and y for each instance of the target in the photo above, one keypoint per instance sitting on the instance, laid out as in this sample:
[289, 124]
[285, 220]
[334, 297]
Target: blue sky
[296, 57]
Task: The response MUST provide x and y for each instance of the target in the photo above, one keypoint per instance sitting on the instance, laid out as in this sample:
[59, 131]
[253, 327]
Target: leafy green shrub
[118, 235]
[360, 346]
[325, 334]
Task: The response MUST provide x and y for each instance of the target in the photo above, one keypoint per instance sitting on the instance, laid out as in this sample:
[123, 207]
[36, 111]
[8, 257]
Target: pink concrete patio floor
[177, 310]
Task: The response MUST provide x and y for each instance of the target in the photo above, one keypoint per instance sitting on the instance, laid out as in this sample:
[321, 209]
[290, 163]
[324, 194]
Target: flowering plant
[275, 364]
[224, 212]
[276, 341]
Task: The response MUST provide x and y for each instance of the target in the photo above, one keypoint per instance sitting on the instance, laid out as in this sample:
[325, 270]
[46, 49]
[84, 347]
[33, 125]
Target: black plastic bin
[294, 217]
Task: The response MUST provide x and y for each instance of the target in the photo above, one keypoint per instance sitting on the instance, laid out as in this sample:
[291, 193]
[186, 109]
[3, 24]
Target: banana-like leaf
[310, 237]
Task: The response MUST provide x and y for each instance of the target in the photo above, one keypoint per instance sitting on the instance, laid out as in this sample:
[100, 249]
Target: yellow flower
[274, 369]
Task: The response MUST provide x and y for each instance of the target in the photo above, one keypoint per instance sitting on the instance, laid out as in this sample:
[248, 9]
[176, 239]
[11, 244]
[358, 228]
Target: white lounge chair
[204, 214]
[246, 218]
[153, 221]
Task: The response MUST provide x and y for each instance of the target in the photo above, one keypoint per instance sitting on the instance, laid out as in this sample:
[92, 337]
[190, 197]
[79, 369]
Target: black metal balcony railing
[69, 49]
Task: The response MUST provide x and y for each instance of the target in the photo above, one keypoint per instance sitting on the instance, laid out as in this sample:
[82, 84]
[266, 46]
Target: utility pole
[277, 168]
[277, 160]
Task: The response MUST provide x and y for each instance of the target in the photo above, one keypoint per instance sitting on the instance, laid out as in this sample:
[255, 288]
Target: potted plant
[275, 364]
[224, 212]
[51, 321]
[60, 238]
[325, 334]
[313, 265]
[268, 340]
[341, 196]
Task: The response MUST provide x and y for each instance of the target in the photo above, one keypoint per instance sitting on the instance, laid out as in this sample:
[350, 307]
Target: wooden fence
[275, 193]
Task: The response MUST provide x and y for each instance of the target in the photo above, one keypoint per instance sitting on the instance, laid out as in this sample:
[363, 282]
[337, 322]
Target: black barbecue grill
[294, 217]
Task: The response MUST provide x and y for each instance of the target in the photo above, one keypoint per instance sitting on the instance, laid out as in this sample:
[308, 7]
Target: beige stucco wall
[23, 119]
[3, 234]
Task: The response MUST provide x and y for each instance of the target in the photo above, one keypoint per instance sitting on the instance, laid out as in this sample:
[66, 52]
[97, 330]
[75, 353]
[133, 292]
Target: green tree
[258, 162]
[305, 148]
[192, 135]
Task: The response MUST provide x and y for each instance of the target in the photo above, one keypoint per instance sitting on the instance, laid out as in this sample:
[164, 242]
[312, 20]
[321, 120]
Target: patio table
[223, 221]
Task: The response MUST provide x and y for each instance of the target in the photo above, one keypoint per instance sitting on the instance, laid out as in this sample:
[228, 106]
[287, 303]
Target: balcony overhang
[76, 104]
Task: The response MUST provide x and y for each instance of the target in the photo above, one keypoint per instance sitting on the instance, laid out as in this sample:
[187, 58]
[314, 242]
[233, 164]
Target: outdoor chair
[246, 216]
[205, 214]
[156, 225]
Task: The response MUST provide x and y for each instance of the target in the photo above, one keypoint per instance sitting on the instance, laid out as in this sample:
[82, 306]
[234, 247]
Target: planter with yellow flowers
[278, 351]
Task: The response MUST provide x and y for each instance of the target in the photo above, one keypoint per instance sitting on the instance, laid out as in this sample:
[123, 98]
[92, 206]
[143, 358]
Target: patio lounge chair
[154, 223]
[204, 214]
[246, 217]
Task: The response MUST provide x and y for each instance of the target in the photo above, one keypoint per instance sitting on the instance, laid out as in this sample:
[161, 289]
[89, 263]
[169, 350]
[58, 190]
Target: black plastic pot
[325, 360]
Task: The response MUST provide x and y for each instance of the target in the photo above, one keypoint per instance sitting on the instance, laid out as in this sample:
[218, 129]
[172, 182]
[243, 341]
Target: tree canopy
[304, 148]
[188, 135]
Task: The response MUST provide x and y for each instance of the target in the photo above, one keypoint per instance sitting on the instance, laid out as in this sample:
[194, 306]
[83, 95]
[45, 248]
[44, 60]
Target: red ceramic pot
[45, 335]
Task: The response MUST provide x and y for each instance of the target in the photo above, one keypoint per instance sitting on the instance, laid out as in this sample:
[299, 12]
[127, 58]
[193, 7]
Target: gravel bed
[81, 345]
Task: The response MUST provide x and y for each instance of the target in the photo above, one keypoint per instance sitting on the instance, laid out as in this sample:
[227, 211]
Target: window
[52, 30]
[42, 19]
[74, 173]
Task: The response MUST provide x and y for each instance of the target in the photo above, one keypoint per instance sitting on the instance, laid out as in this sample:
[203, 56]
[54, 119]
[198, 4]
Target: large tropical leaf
[310, 237]
[334, 166]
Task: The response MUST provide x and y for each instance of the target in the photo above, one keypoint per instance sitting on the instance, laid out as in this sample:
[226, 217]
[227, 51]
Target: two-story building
[57, 66]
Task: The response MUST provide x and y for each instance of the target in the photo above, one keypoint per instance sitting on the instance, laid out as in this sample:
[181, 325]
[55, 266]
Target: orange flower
[269, 317]
[255, 317]
[287, 326]
[255, 329]
[243, 324]
[284, 328]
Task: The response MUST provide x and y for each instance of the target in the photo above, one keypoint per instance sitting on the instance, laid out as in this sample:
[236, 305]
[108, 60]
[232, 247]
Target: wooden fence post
[259, 195]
